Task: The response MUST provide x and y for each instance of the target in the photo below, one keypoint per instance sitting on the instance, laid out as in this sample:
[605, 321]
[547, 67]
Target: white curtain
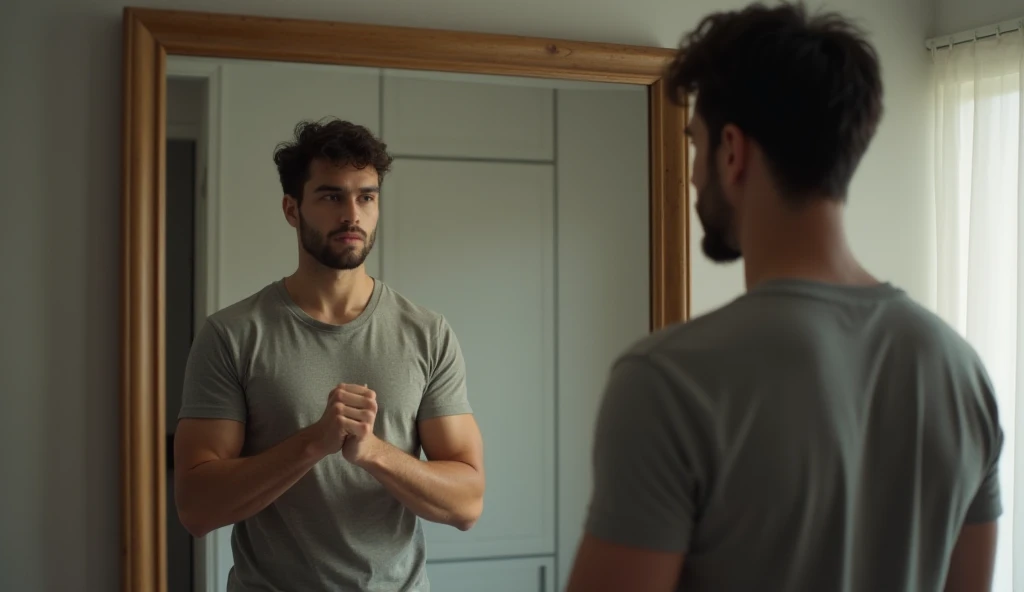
[979, 186]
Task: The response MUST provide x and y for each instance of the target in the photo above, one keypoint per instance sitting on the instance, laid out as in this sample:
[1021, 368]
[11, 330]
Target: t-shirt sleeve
[647, 461]
[212, 389]
[446, 387]
[986, 505]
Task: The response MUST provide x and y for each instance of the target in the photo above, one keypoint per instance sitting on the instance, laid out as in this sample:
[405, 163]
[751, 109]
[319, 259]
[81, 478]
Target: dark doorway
[179, 299]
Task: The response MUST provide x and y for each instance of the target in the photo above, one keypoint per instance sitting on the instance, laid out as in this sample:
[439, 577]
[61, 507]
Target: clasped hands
[347, 423]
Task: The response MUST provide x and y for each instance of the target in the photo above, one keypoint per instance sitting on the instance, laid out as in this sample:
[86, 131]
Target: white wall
[953, 16]
[60, 112]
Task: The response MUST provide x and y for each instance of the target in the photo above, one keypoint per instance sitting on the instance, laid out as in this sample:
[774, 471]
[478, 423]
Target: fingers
[359, 389]
[361, 415]
[355, 408]
[354, 400]
[355, 428]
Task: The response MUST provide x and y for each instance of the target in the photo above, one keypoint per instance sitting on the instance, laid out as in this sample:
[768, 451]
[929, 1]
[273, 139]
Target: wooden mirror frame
[150, 35]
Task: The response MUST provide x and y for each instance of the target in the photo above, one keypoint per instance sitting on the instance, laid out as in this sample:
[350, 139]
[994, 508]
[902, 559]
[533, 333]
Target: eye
[368, 197]
[332, 197]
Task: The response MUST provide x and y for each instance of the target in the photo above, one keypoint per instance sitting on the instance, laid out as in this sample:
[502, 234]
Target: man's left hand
[358, 418]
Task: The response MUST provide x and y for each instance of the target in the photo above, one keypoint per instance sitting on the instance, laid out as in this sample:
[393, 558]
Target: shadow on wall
[79, 240]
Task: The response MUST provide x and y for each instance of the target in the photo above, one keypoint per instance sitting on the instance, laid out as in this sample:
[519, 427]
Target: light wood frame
[150, 35]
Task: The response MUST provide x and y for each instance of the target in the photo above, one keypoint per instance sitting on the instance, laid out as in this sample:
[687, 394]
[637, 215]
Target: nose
[349, 212]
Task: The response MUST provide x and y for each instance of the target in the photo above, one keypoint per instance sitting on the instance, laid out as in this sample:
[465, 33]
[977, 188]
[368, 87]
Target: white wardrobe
[515, 207]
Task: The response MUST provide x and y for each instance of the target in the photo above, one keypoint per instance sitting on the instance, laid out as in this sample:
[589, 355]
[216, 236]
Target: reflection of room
[515, 207]
[186, 100]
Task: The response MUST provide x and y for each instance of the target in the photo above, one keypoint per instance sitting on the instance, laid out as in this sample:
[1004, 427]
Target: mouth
[348, 238]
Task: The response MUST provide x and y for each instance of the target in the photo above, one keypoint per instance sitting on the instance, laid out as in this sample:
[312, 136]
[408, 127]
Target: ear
[290, 208]
[733, 155]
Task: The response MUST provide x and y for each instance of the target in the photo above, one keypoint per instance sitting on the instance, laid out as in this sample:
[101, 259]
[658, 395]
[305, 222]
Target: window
[980, 242]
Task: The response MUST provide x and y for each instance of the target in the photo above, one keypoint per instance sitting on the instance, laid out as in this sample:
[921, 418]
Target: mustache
[348, 229]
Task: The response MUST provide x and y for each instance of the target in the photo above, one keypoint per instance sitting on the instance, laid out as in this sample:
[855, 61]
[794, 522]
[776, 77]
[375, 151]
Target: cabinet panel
[474, 241]
[502, 575]
[435, 115]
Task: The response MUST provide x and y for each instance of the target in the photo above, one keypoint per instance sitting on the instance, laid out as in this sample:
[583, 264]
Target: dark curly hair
[340, 142]
[808, 89]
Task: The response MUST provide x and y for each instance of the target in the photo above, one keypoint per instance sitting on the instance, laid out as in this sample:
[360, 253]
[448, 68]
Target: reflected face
[337, 219]
[717, 215]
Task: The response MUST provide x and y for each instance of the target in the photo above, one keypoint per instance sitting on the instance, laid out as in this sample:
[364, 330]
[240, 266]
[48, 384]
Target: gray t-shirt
[804, 437]
[265, 362]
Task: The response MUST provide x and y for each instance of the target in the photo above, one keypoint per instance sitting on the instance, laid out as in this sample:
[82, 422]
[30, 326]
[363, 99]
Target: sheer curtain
[979, 185]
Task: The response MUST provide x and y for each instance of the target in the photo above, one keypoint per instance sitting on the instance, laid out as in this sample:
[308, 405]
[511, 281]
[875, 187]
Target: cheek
[369, 216]
[320, 220]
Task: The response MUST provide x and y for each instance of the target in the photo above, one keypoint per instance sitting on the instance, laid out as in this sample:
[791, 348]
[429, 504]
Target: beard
[341, 257]
[718, 220]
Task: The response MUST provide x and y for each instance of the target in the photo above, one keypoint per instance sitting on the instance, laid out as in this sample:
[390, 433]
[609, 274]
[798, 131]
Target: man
[822, 431]
[306, 405]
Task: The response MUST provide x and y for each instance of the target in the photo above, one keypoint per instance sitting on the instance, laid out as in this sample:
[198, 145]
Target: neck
[330, 295]
[804, 243]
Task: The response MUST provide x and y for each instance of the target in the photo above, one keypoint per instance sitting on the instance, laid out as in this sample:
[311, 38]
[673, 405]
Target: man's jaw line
[311, 267]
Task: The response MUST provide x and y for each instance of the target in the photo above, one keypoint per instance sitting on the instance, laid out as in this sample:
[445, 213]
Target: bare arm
[213, 487]
[606, 567]
[448, 487]
[971, 566]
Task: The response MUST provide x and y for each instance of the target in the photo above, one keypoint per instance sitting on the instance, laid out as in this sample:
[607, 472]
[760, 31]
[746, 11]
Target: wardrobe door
[506, 575]
[475, 242]
[432, 114]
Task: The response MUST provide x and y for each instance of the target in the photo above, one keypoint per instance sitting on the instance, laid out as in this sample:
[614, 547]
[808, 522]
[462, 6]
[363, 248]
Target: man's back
[804, 437]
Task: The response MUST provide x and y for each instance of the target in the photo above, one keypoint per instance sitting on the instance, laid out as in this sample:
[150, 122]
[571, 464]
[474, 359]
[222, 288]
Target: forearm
[972, 563]
[220, 492]
[448, 492]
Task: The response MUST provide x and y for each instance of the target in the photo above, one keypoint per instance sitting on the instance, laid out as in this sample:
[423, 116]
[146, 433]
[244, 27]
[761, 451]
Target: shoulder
[944, 350]
[913, 323]
[756, 330]
[428, 329]
[682, 344]
[409, 313]
[240, 319]
[916, 335]
[953, 366]
[666, 372]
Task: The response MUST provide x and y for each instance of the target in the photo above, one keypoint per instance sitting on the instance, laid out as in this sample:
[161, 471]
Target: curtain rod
[1007, 26]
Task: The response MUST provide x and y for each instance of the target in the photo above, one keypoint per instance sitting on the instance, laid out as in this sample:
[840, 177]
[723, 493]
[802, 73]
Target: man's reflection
[305, 405]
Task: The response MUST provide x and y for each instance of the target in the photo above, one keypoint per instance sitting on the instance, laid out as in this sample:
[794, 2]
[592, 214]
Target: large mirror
[536, 200]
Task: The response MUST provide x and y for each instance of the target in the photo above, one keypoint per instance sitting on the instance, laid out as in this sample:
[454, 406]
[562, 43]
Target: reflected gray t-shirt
[266, 363]
[804, 437]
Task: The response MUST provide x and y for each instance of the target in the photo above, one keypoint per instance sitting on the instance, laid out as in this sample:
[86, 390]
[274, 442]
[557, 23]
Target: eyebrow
[336, 189]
